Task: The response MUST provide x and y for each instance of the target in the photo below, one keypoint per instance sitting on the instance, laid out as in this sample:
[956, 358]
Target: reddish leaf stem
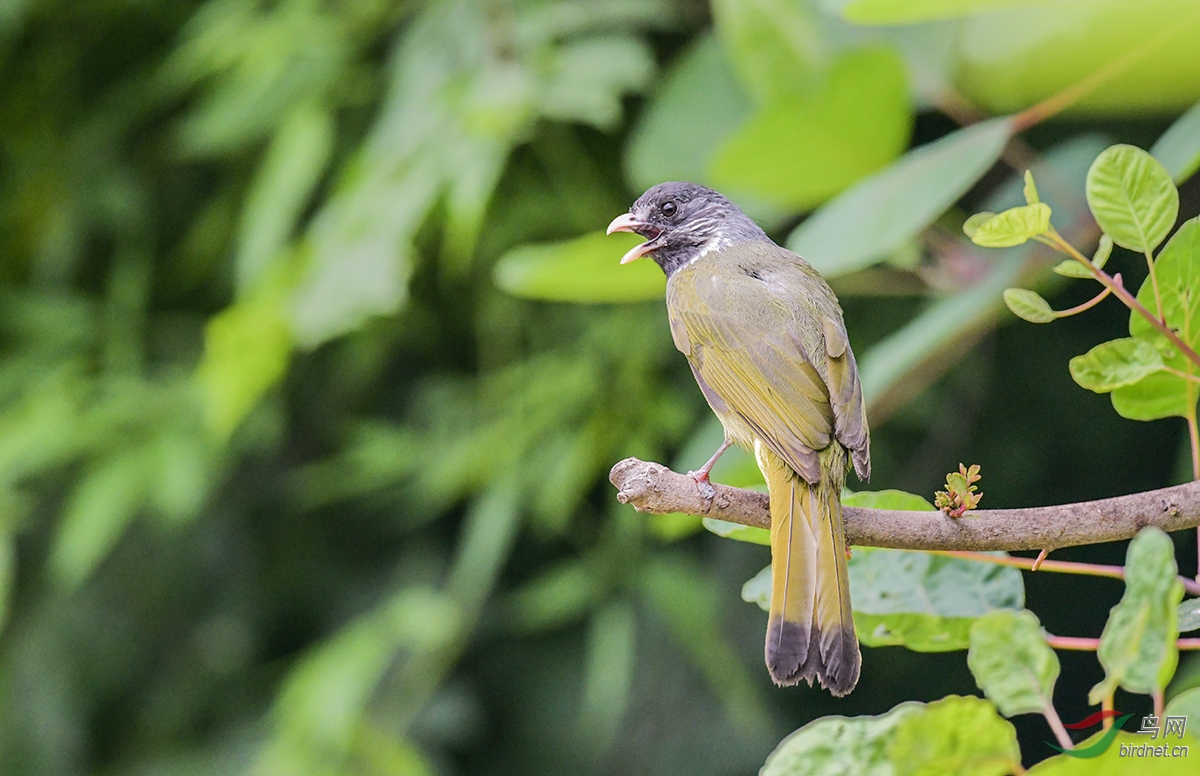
[1059, 566]
[1056, 725]
[1057, 241]
[1086, 644]
[1089, 304]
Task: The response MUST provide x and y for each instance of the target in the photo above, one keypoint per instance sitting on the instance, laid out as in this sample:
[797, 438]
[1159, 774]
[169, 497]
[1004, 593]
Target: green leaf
[1189, 617]
[1113, 763]
[888, 499]
[699, 104]
[247, 348]
[585, 269]
[1070, 268]
[1116, 363]
[772, 46]
[741, 533]
[290, 170]
[98, 511]
[1103, 251]
[799, 150]
[1012, 663]
[849, 745]
[909, 11]
[926, 602]
[1178, 149]
[757, 590]
[1137, 648]
[1014, 226]
[878, 215]
[1030, 190]
[1186, 703]
[955, 735]
[1132, 197]
[1028, 305]
[1162, 395]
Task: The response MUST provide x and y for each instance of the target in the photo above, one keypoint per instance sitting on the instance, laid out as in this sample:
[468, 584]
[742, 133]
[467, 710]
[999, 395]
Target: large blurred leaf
[837, 744]
[1113, 762]
[1137, 648]
[1012, 663]
[585, 269]
[909, 11]
[773, 45]
[926, 602]
[1189, 615]
[697, 106]
[1132, 197]
[801, 149]
[1178, 149]
[1160, 395]
[887, 499]
[956, 735]
[876, 216]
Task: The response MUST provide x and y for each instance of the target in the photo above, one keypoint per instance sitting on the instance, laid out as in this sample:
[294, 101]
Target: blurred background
[314, 360]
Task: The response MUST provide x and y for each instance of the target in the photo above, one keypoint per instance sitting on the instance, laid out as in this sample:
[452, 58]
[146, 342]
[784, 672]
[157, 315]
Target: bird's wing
[764, 334]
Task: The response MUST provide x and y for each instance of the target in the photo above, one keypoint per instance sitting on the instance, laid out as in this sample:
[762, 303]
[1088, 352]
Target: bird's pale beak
[627, 223]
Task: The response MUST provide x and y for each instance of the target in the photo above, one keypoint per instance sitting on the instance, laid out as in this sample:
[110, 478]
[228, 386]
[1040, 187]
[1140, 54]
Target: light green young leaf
[1189, 617]
[1161, 394]
[1178, 149]
[1116, 363]
[972, 224]
[801, 149]
[877, 215]
[910, 11]
[1028, 305]
[247, 348]
[1030, 190]
[925, 602]
[1012, 663]
[955, 735]
[1014, 226]
[741, 533]
[837, 744]
[1137, 647]
[585, 269]
[1132, 197]
[1072, 268]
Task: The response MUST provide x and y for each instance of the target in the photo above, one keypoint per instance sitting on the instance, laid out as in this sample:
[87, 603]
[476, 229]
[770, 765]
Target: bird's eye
[668, 208]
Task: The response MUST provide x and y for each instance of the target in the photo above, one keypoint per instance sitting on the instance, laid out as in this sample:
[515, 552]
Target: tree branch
[652, 487]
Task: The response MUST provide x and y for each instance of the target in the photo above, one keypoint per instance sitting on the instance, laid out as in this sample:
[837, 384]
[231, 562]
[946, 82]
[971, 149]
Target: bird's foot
[706, 488]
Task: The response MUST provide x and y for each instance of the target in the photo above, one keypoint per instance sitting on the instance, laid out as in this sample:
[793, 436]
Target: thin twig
[1039, 560]
[1087, 644]
[1089, 304]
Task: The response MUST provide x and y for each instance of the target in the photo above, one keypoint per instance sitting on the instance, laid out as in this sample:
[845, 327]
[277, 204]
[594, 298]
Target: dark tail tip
[797, 653]
[787, 647]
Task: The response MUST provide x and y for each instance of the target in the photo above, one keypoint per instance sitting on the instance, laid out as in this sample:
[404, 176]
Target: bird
[766, 341]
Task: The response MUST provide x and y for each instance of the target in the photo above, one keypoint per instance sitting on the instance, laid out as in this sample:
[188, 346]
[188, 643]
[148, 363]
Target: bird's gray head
[682, 221]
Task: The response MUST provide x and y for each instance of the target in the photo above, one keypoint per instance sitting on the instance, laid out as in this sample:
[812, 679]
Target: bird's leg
[701, 475]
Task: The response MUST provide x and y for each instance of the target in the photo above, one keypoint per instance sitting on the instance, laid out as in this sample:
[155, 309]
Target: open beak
[627, 223]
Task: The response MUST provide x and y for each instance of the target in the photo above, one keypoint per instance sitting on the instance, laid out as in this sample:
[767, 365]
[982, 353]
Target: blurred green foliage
[302, 455]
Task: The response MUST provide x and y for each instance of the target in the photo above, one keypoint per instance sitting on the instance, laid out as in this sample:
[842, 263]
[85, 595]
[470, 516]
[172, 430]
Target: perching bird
[765, 338]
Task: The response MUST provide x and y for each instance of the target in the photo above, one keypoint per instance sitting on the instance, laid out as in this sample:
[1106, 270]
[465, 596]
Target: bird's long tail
[810, 631]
